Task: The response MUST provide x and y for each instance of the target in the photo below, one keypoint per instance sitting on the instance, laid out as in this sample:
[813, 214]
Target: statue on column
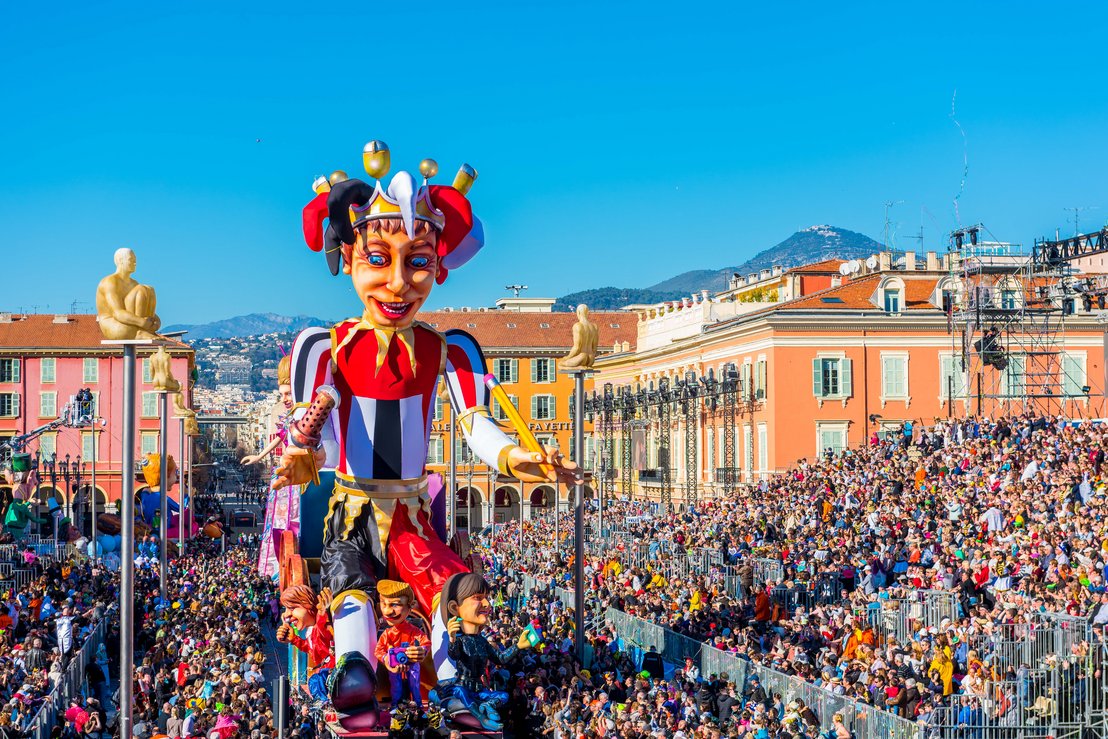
[124, 308]
[585, 338]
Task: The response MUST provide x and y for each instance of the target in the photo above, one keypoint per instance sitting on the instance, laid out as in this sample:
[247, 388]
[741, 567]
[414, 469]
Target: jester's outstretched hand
[395, 241]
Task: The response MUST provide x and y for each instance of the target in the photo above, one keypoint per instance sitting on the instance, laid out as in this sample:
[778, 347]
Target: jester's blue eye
[419, 262]
[377, 260]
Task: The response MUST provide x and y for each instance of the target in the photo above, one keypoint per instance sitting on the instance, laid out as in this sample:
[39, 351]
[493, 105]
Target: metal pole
[163, 485]
[181, 493]
[282, 705]
[557, 526]
[95, 554]
[452, 501]
[602, 468]
[192, 515]
[579, 518]
[521, 519]
[127, 549]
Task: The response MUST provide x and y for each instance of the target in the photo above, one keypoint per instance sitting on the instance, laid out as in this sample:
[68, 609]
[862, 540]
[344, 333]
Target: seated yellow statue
[161, 372]
[124, 308]
[585, 339]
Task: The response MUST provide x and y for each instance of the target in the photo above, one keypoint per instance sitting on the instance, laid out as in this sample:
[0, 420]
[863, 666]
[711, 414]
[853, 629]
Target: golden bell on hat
[464, 179]
[376, 159]
[428, 168]
[338, 176]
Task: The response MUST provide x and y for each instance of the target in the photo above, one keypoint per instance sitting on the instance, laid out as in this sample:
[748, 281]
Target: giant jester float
[364, 392]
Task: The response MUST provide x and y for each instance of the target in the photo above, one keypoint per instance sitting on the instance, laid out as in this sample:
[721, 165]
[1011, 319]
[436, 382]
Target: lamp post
[71, 473]
[51, 466]
[38, 483]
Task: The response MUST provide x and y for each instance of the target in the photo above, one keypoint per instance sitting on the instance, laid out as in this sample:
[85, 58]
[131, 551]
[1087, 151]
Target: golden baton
[526, 438]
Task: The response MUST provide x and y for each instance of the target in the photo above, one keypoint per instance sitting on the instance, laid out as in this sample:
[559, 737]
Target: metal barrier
[864, 721]
[71, 685]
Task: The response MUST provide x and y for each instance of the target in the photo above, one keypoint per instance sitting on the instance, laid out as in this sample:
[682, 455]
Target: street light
[71, 473]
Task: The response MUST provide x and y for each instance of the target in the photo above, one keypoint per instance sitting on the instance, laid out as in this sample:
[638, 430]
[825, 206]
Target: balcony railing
[727, 475]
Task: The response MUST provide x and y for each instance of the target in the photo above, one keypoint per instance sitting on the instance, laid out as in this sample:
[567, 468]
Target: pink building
[44, 361]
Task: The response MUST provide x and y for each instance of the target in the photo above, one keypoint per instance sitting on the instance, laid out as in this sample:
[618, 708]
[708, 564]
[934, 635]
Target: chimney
[909, 261]
[764, 274]
[932, 262]
[776, 270]
[61, 319]
[884, 261]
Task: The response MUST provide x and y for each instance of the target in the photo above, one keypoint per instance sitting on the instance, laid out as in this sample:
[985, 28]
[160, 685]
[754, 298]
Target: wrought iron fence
[71, 685]
[864, 721]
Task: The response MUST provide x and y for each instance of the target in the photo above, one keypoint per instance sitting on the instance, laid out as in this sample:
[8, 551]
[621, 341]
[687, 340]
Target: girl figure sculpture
[395, 241]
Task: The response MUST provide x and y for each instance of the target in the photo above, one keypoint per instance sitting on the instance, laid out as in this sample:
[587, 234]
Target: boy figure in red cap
[395, 242]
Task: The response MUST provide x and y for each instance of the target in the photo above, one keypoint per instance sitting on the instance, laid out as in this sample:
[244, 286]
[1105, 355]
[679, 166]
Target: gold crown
[400, 198]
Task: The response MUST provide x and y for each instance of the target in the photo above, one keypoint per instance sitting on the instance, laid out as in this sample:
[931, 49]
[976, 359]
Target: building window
[439, 413]
[48, 405]
[149, 405]
[892, 300]
[710, 452]
[1074, 378]
[498, 411]
[48, 369]
[9, 370]
[763, 451]
[86, 446]
[47, 446]
[464, 455]
[831, 377]
[830, 437]
[744, 382]
[952, 379]
[542, 370]
[434, 450]
[760, 380]
[1013, 380]
[894, 376]
[91, 371]
[542, 407]
[1008, 299]
[147, 375]
[507, 370]
[149, 442]
[9, 405]
[948, 301]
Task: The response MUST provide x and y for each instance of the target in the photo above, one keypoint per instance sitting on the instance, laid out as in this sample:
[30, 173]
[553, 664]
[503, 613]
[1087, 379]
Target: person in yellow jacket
[944, 666]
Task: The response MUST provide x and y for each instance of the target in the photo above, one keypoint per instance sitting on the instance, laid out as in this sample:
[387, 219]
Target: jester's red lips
[394, 311]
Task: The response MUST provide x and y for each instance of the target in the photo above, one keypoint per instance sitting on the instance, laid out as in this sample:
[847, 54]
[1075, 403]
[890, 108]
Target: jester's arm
[311, 367]
[255, 458]
[469, 397]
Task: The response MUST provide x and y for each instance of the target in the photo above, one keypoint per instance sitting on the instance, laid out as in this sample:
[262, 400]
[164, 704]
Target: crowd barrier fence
[71, 686]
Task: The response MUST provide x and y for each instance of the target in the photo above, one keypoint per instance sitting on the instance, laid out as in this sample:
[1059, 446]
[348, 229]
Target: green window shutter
[15, 378]
[535, 370]
[515, 369]
[15, 402]
[845, 372]
[534, 406]
[817, 378]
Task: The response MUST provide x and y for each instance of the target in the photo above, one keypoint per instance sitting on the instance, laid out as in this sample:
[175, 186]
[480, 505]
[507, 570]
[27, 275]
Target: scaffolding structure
[1006, 314]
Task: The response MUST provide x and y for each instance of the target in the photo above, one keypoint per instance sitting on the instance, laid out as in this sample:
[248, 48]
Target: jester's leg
[418, 557]
[348, 568]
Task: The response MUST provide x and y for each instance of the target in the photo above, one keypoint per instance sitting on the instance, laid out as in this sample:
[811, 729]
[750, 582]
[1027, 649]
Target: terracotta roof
[856, 294]
[40, 331]
[501, 329]
[827, 265]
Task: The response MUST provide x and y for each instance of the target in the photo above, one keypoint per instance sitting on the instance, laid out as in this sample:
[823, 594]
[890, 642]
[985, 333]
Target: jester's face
[393, 273]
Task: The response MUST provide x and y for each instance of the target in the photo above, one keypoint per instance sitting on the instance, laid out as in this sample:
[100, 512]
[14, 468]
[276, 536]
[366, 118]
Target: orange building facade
[523, 343]
[827, 369]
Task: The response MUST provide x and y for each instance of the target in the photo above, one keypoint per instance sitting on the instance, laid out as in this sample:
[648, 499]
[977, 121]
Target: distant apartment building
[44, 361]
[233, 371]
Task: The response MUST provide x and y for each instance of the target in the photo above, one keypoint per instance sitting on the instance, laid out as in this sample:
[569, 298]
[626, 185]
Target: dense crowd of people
[1003, 519]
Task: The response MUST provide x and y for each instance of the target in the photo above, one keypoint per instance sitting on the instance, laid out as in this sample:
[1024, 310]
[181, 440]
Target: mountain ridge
[812, 244]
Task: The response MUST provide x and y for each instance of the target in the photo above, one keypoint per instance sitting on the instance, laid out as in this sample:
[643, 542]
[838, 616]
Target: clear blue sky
[618, 143]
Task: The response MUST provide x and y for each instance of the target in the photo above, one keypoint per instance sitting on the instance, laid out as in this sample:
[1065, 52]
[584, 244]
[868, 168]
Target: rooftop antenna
[1077, 215]
[889, 204]
[517, 289]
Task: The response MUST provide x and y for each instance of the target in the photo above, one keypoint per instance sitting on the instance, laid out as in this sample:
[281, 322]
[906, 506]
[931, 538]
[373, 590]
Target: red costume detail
[394, 636]
[318, 643]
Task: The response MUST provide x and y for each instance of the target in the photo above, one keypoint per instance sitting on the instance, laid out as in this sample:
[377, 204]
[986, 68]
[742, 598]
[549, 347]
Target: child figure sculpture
[395, 240]
[402, 646]
[465, 602]
[306, 626]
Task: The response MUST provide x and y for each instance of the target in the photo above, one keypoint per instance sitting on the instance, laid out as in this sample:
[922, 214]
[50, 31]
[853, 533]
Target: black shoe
[352, 685]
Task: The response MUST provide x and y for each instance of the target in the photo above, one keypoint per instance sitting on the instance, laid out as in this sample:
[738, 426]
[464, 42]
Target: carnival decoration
[395, 240]
[465, 605]
[402, 646]
[124, 308]
[306, 626]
